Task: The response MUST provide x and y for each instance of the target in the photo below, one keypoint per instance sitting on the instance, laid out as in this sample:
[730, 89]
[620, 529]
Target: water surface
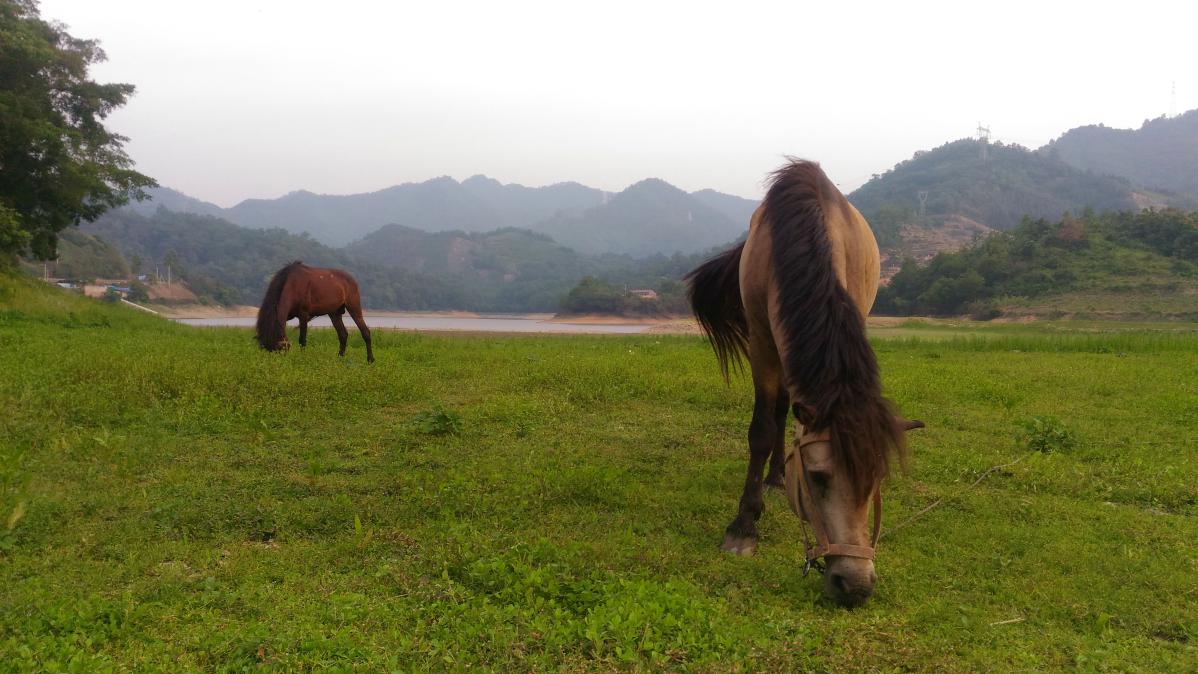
[441, 323]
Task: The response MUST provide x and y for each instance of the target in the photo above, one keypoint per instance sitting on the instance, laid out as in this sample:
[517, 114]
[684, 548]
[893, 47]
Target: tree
[58, 164]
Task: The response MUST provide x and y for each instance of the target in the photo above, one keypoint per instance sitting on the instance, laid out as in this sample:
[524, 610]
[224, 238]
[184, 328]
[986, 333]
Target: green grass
[555, 503]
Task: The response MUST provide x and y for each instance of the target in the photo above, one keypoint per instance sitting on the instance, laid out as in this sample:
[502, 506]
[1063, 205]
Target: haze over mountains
[1160, 155]
[647, 218]
[480, 244]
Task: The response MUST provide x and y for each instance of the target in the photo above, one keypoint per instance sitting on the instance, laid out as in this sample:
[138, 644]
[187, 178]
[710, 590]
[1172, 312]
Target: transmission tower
[923, 203]
[984, 138]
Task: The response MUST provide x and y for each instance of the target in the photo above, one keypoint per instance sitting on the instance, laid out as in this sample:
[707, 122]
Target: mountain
[173, 200]
[507, 270]
[231, 264]
[503, 270]
[1162, 154]
[649, 217]
[969, 194]
[477, 204]
[738, 209]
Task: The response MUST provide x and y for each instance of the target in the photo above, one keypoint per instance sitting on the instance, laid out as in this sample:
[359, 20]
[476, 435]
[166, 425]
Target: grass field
[173, 499]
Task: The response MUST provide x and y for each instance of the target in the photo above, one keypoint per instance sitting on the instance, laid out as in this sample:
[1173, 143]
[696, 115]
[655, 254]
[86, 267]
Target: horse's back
[855, 256]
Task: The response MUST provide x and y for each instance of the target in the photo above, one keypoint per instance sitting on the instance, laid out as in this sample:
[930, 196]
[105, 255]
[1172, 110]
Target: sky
[245, 99]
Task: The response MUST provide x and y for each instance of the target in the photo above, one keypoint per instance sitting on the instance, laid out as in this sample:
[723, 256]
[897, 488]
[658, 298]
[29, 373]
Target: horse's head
[838, 510]
[273, 343]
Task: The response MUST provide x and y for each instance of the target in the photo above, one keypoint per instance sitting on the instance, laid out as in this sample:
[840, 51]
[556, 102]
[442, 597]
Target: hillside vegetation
[997, 191]
[174, 499]
[231, 265]
[1128, 265]
[397, 267]
[1162, 154]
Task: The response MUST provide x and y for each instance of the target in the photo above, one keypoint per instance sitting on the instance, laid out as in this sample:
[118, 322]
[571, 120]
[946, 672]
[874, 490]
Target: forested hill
[1114, 265]
[510, 270]
[225, 263]
[995, 189]
[1162, 154]
[649, 218]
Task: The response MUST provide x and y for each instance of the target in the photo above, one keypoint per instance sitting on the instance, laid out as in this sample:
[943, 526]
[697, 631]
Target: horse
[792, 298]
[303, 292]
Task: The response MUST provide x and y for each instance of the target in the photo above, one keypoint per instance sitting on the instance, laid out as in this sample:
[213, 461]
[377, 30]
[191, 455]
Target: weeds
[1046, 434]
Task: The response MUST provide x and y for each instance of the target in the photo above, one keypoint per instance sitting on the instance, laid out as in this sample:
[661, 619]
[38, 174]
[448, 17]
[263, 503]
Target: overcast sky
[256, 98]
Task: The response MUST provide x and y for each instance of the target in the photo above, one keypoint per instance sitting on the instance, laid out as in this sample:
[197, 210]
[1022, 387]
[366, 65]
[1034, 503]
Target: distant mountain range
[480, 244]
[1161, 155]
[969, 188]
[648, 218]
[507, 270]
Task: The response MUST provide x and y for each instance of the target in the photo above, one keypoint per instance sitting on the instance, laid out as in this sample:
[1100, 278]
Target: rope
[941, 500]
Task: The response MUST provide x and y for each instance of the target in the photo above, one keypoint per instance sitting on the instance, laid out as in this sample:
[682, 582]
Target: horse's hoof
[742, 546]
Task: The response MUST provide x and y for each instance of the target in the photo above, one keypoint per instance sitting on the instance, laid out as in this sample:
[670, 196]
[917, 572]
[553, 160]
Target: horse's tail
[714, 290]
[270, 330]
[827, 359]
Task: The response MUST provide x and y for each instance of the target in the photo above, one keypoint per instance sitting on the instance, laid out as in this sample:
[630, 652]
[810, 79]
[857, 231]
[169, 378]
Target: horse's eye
[819, 479]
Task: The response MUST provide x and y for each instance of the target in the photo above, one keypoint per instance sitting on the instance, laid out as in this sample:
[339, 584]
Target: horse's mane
[270, 330]
[827, 357]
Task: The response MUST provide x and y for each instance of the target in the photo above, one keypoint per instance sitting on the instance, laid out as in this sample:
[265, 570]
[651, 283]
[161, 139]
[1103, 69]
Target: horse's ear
[909, 424]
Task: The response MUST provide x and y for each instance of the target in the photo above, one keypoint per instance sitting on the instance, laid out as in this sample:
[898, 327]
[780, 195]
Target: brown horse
[793, 298]
[303, 292]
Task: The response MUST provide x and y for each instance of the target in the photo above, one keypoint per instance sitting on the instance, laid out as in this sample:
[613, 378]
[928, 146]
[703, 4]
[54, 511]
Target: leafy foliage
[1111, 252]
[595, 296]
[60, 164]
[1046, 434]
[439, 421]
[84, 256]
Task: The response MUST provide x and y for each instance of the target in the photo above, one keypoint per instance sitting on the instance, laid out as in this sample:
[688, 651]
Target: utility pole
[984, 138]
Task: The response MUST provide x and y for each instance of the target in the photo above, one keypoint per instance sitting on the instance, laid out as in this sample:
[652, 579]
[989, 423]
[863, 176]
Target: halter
[796, 482]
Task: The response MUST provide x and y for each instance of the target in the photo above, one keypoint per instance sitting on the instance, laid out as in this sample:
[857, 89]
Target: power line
[984, 138]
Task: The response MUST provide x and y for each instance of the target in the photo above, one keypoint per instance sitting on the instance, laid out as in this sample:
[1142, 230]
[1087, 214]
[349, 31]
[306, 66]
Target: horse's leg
[776, 477]
[355, 312]
[339, 326]
[303, 326]
[741, 535]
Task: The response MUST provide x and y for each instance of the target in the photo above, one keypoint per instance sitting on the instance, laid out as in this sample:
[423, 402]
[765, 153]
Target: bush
[439, 421]
[1046, 434]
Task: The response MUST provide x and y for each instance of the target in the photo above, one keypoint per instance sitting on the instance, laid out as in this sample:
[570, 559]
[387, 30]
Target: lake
[442, 323]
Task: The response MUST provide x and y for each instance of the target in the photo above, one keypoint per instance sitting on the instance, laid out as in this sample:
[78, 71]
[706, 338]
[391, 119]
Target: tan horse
[303, 292]
[793, 298]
